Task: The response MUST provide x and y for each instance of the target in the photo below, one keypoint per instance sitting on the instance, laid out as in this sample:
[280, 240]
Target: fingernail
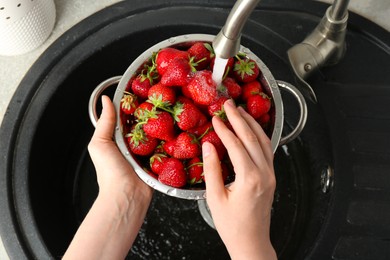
[206, 149]
[241, 109]
[229, 102]
[103, 102]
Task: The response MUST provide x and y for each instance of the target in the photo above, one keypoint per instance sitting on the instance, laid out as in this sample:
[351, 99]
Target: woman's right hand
[242, 211]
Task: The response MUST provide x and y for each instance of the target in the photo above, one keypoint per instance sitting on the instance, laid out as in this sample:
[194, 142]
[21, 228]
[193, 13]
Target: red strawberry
[216, 108]
[250, 89]
[246, 70]
[177, 73]
[228, 68]
[202, 88]
[129, 103]
[140, 143]
[201, 130]
[186, 146]
[173, 173]
[161, 96]
[187, 115]
[142, 110]
[160, 125]
[156, 162]
[194, 169]
[148, 171]
[213, 138]
[231, 88]
[169, 146]
[165, 56]
[159, 148]
[258, 105]
[202, 54]
[185, 91]
[264, 120]
[140, 86]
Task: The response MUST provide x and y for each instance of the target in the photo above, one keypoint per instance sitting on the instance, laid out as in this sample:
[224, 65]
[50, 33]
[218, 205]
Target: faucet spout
[227, 43]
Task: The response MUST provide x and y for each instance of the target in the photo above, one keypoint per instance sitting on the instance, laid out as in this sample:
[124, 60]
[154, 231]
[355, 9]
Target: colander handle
[303, 115]
[93, 116]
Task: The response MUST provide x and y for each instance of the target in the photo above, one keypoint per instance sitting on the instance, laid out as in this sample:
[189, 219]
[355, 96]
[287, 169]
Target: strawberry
[202, 54]
[161, 96]
[258, 105]
[186, 146]
[169, 146]
[129, 103]
[231, 88]
[173, 173]
[245, 70]
[194, 169]
[140, 143]
[159, 148]
[187, 115]
[142, 110]
[156, 162]
[165, 56]
[202, 88]
[185, 91]
[249, 89]
[177, 73]
[216, 108]
[140, 86]
[160, 125]
[212, 137]
[201, 130]
[264, 120]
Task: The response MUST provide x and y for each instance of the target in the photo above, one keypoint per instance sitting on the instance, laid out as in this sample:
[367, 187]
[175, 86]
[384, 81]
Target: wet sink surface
[52, 185]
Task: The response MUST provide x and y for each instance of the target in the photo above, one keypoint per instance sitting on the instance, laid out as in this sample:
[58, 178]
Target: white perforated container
[25, 25]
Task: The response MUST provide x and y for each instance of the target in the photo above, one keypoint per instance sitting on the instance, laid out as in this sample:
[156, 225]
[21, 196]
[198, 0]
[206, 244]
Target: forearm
[251, 251]
[110, 227]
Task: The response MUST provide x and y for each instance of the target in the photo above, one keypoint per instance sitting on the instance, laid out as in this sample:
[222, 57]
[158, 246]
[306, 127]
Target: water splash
[219, 69]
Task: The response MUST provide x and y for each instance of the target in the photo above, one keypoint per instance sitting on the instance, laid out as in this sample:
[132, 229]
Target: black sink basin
[48, 181]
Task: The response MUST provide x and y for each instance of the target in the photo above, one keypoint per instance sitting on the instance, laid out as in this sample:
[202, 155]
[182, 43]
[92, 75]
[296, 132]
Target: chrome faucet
[227, 43]
[325, 46]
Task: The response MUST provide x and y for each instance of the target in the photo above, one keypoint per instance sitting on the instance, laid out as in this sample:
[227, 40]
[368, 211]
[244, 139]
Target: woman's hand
[113, 171]
[112, 224]
[242, 211]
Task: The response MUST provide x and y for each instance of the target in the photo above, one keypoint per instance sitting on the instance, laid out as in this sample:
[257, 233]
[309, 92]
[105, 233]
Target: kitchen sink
[333, 182]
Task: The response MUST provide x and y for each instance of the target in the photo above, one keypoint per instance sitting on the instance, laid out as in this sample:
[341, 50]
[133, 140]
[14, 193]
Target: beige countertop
[70, 12]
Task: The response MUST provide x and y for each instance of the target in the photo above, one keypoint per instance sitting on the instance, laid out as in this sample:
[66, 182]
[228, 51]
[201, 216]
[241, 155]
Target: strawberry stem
[205, 132]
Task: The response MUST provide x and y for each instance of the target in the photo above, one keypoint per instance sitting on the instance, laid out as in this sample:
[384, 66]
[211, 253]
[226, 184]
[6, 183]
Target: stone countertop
[70, 12]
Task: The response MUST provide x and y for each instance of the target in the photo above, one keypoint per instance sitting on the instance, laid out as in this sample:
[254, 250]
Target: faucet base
[325, 46]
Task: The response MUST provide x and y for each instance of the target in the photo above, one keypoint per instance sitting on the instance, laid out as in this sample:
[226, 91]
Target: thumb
[212, 171]
[106, 123]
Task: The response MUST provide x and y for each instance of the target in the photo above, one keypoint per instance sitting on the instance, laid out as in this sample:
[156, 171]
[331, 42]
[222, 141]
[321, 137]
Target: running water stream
[219, 69]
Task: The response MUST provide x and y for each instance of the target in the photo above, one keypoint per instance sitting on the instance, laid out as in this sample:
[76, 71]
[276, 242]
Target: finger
[212, 171]
[245, 133]
[238, 154]
[106, 123]
[265, 142]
